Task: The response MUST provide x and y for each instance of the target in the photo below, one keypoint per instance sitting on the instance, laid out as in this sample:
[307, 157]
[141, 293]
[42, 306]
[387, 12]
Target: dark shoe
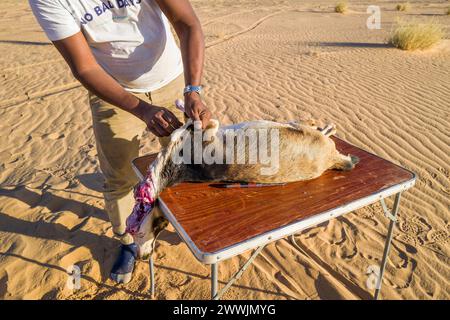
[123, 268]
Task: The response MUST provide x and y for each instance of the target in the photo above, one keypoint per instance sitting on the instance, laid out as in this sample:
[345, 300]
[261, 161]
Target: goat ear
[210, 130]
[213, 124]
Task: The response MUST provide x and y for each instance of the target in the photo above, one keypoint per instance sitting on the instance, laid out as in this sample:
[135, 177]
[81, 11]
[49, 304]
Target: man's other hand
[160, 121]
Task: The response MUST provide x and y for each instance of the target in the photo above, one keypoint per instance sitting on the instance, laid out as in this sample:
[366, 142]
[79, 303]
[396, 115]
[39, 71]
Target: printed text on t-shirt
[105, 6]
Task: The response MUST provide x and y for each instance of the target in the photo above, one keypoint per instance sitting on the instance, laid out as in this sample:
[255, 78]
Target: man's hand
[160, 121]
[196, 109]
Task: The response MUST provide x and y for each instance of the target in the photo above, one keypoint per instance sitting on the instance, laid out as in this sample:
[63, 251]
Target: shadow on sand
[26, 43]
[350, 44]
[100, 285]
[53, 202]
[98, 245]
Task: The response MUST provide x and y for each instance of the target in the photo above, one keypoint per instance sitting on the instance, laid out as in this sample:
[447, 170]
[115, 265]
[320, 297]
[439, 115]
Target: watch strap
[190, 88]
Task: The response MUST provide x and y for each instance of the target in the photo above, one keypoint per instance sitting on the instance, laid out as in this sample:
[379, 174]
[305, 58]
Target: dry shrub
[341, 7]
[415, 35]
[403, 6]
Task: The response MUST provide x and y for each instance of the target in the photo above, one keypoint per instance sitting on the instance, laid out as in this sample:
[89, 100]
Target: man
[124, 53]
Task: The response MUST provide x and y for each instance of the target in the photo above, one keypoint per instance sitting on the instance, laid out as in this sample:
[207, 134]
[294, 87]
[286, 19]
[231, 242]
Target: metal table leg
[152, 267]
[215, 293]
[152, 276]
[214, 281]
[387, 246]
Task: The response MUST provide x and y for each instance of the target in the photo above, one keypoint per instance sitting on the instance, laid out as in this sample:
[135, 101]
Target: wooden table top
[217, 218]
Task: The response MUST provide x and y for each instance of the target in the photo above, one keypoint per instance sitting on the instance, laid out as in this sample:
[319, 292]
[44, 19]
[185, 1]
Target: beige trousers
[117, 135]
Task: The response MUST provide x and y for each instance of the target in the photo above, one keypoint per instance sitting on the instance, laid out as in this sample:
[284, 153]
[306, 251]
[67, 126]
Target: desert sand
[268, 59]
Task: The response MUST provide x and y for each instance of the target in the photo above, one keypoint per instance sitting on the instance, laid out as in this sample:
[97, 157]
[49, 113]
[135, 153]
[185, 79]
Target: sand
[274, 60]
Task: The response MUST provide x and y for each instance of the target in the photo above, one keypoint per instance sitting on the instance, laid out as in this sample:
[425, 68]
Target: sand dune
[274, 60]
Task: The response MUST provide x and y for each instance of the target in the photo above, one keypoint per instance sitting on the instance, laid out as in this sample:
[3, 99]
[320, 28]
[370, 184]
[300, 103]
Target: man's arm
[85, 68]
[187, 26]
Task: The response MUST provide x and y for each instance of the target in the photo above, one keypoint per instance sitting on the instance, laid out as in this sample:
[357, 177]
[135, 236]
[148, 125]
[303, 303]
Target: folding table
[220, 223]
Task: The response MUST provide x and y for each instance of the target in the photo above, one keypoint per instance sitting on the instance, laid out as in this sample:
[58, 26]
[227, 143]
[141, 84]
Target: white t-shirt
[130, 39]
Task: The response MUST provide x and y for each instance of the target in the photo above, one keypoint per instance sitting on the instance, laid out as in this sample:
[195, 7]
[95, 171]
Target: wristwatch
[190, 88]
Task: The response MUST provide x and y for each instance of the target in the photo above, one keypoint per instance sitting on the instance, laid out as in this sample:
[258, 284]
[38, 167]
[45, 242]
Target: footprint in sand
[402, 275]
[409, 228]
[347, 252]
[411, 240]
[417, 232]
[414, 231]
[437, 236]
